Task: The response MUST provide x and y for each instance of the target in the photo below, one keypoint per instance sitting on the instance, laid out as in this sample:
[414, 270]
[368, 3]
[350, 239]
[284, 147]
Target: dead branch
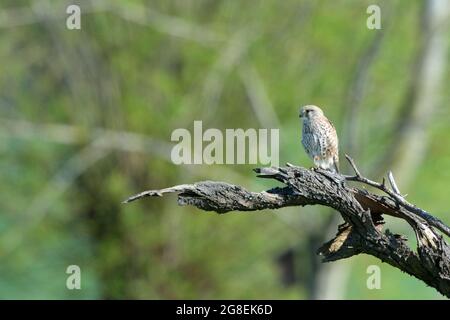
[362, 211]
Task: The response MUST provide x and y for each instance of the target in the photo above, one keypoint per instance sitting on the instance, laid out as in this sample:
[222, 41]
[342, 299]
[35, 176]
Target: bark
[362, 211]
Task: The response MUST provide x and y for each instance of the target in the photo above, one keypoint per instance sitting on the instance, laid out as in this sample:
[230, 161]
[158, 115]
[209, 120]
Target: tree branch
[362, 211]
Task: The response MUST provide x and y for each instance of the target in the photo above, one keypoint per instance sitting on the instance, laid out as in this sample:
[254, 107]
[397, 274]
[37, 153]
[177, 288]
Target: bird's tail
[336, 164]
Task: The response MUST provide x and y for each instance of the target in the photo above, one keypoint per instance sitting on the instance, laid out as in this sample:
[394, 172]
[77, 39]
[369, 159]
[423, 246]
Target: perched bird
[319, 138]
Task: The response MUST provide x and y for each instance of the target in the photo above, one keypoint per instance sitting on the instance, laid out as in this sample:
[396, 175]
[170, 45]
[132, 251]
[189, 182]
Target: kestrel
[319, 138]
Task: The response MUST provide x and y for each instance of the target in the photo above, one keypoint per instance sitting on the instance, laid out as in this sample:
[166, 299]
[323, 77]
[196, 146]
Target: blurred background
[86, 118]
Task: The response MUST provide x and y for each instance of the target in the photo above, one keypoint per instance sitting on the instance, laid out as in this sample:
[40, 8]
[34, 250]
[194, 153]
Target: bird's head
[310, 111]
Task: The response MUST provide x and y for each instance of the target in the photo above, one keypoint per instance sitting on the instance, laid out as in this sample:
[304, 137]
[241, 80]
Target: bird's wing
[333, 144]
[330, 123]
[333, 134]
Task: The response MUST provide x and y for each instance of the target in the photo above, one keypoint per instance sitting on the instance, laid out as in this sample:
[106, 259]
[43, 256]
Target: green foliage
[122, 75]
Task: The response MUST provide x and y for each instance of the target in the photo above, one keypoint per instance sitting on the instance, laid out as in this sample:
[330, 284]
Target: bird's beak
[300, 115]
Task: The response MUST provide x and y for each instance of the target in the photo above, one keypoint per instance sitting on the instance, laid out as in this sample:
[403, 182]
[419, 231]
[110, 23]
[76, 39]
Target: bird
[319, 138]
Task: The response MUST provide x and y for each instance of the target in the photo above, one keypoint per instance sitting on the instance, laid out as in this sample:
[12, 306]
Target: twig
[393, 183]
[433, 221]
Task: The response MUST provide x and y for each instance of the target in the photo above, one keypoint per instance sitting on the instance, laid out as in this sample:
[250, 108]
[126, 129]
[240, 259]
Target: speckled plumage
[319, 138]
